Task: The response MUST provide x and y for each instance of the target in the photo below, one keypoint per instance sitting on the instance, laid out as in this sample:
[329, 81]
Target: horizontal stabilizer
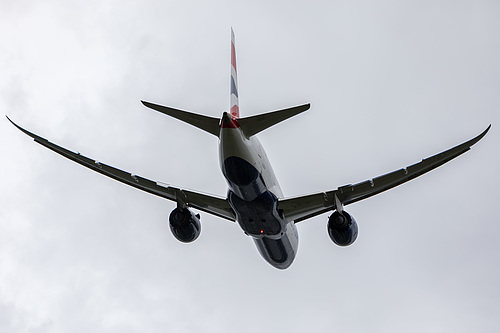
[206, 123]
[255, 124]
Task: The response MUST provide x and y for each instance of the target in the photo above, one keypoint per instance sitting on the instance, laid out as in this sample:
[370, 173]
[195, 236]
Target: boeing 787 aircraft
[254, 198]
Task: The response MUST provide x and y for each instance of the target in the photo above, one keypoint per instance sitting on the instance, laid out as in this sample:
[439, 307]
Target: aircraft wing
[304, 207]
[211, 204]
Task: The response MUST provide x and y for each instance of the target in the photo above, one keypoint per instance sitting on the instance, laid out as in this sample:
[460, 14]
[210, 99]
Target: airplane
[254, 198]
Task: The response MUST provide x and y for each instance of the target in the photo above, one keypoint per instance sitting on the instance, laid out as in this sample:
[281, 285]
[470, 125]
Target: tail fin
[235, 109]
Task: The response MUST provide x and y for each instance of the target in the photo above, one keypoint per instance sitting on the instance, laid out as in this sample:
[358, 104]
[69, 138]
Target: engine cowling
[342, 228]
[185, 225]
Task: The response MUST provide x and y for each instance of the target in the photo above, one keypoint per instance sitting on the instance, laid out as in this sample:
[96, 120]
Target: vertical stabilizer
[235, 109]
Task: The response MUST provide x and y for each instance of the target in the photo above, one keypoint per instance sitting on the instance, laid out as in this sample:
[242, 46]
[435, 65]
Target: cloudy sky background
[389, 83]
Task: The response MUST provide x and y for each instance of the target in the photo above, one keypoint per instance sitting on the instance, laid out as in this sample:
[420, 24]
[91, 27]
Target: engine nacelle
[185, 225]
[342, 228]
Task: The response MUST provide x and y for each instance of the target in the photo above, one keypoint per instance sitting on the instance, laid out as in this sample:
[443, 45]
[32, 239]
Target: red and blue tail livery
[235, 109]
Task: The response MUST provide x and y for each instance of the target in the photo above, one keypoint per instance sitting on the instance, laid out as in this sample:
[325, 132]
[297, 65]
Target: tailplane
[249, 125]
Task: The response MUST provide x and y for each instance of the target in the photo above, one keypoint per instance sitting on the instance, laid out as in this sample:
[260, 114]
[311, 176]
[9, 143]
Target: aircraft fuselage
[253, 194]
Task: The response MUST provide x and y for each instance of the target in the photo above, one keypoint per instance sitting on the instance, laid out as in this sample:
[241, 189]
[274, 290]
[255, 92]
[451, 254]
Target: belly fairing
[259, 217]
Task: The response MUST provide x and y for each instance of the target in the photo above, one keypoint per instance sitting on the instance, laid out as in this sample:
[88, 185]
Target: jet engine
[185, 225]
[342, 228]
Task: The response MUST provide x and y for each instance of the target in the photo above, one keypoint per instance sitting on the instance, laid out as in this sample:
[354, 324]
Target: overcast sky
[389, 83]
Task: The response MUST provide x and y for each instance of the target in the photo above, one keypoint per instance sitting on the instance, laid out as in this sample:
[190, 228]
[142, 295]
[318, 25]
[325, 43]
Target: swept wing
[211, 204]
[304, 207]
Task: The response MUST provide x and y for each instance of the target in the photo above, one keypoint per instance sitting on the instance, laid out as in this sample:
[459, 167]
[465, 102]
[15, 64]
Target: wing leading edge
[304, 207]
[207, 203]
